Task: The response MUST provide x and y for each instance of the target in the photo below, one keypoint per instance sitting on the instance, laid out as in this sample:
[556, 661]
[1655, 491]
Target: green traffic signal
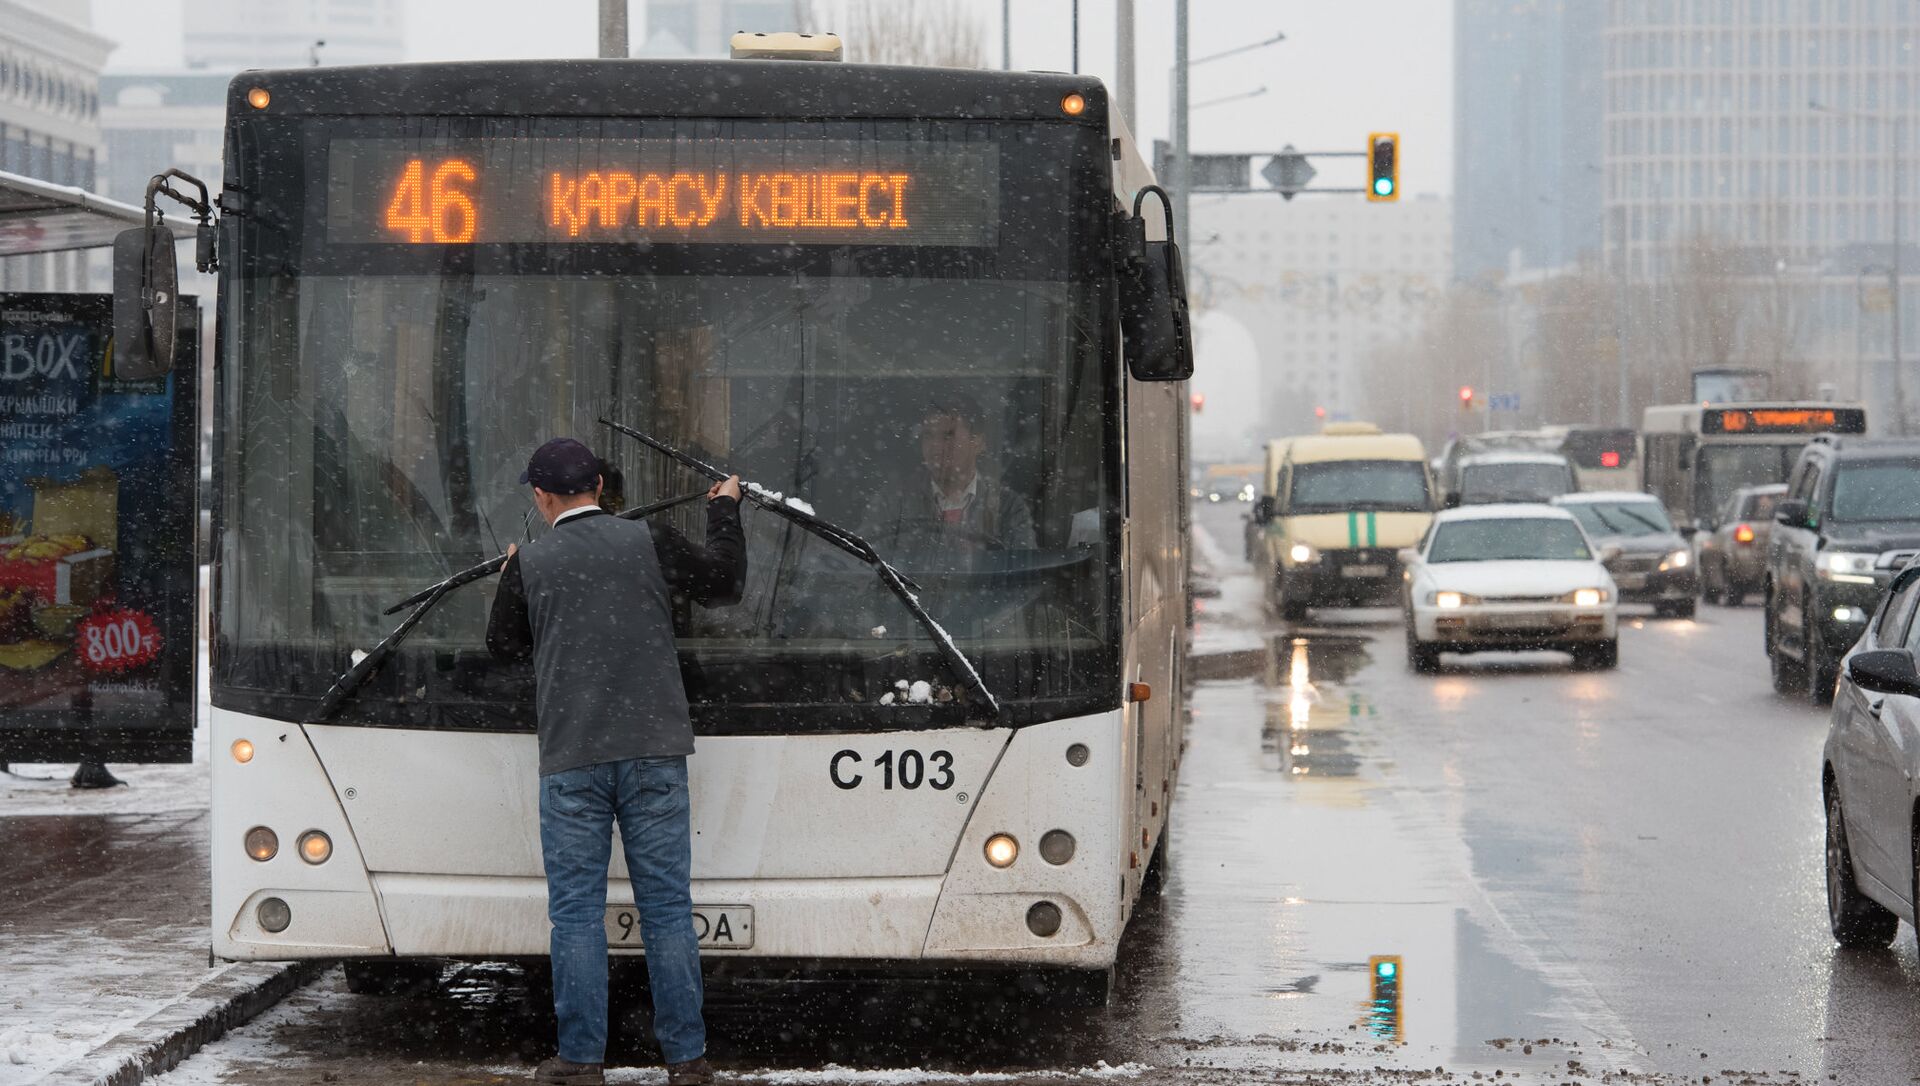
[1383, 166]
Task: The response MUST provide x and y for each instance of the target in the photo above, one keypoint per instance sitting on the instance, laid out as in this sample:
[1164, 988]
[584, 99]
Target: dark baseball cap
[562, 466]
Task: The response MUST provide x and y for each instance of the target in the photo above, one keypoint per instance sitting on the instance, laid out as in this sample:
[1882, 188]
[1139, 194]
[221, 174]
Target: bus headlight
[315, 847]
[1043, 919]
[1002, 850]
[262, 843]
[1300, 553]
[273, 915]
[1676, 560]
[1057, 847]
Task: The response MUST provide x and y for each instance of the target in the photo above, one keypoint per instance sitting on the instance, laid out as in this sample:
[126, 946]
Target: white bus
[1694, 456]
[427, 270]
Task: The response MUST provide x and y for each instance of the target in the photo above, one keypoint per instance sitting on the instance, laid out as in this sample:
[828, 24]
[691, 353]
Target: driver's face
[949, 448]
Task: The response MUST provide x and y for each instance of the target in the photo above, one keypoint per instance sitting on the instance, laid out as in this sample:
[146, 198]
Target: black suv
[1849, 521]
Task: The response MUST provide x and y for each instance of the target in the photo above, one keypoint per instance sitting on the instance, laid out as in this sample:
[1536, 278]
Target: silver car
[1733, 549]
[1868, 773]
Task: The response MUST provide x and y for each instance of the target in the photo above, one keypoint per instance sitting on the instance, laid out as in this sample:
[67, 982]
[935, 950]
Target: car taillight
[1609, 459]
[1743, 534]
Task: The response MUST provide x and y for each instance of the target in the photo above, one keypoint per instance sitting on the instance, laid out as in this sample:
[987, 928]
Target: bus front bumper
[488, 900]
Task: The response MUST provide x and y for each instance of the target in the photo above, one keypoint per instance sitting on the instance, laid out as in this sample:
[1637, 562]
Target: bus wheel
[389, 976]
[1291, 609]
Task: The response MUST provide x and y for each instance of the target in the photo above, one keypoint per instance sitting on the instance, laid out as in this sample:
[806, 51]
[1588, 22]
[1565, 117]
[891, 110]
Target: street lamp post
[1182, 158]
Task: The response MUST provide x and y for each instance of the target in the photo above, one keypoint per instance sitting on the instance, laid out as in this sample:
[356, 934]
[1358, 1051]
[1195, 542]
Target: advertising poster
[97, 515]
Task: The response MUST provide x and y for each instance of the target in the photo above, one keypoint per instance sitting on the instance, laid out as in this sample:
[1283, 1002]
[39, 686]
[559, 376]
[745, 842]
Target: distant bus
[1694, 456]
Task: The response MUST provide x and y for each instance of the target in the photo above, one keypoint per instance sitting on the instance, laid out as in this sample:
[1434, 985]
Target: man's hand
[511, 548]
[725, 488]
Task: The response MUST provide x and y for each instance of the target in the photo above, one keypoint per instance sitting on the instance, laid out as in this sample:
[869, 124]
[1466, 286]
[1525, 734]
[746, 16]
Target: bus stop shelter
[40, 217]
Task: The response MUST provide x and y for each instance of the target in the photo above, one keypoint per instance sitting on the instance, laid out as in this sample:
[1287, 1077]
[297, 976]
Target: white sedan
[1509, 577]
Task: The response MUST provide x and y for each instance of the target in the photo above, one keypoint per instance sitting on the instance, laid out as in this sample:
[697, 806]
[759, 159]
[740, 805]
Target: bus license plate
[1363, 571]
[720, 927]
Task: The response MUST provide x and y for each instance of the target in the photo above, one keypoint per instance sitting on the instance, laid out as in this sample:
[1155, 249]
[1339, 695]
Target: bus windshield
[1723, 469]
[379, 416]
[1337, 486]
[1877, 490]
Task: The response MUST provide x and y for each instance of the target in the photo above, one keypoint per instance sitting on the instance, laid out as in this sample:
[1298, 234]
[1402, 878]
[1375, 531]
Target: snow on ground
[42, 789]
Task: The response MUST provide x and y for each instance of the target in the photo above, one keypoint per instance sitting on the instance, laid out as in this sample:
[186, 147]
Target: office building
[50, 60]
[1317, 284]
[1527, 162]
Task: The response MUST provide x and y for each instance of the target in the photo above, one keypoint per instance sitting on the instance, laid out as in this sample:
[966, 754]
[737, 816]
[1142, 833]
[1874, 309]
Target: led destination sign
[1783, 420]
[574, 191]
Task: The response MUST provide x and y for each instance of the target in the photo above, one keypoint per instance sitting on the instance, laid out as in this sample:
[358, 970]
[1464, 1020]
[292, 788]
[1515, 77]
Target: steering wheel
[939, 529]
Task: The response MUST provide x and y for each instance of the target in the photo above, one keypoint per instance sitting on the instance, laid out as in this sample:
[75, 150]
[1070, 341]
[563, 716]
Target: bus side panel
[1156, 608]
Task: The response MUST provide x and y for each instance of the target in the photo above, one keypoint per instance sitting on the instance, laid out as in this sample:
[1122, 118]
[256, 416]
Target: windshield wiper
[897, 582]
[428, 598]
[1653, 526]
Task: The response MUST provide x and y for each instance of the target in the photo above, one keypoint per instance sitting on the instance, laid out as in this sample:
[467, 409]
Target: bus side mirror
[1154, 326]
[1791, 512]
[1263, 509]
[1452, 500]
[146, 302]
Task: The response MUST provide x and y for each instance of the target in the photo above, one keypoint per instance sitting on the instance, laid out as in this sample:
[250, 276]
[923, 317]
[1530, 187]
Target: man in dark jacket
[590, 604]
[948, 502]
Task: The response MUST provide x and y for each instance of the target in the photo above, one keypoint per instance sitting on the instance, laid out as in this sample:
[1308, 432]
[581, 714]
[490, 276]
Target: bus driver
[947, 497]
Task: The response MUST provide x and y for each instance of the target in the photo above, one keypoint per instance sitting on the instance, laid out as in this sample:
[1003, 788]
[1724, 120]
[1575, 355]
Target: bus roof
[1314, 448]
[755, 89]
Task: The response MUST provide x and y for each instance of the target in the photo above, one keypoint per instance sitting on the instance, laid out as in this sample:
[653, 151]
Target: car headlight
[1588, 597]
[1300, 553]
[1448, 601]
[1676, 560]
[1848, 566]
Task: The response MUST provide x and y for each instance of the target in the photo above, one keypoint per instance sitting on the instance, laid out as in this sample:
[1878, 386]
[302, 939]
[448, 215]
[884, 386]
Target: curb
[227, 999]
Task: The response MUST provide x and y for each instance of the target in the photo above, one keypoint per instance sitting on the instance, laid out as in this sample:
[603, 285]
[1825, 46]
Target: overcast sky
[1345, 69]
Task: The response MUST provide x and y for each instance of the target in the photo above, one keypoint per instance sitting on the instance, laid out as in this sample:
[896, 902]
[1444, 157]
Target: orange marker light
[1073, 105]
[1139, 691]
[258, 97]
[243, 751]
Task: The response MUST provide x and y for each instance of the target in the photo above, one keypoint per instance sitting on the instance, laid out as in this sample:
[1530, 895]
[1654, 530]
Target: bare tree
[926, 33]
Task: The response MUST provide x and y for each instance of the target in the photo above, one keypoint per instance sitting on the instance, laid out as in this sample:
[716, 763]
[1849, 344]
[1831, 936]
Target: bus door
[98, 580]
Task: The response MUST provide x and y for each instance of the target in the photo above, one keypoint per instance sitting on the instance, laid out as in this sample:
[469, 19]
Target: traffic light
[1466, 397]
[1383, 1010]
[1383, 166]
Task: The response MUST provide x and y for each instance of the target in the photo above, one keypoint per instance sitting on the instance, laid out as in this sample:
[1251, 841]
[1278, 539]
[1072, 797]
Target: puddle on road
[1308, 718]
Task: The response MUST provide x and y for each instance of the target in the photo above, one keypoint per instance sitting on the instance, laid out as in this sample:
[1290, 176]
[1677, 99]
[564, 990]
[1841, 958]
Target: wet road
[1582, 875]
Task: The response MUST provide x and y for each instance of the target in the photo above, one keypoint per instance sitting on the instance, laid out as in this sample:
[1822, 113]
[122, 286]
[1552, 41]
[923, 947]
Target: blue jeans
[577, 811]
